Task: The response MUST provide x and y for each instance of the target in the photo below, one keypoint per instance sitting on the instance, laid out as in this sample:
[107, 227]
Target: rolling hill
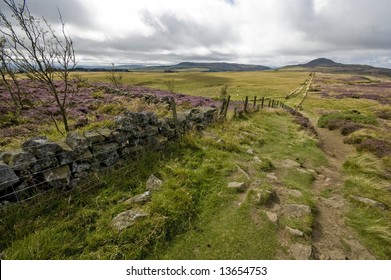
[329, 66]
[208, 67]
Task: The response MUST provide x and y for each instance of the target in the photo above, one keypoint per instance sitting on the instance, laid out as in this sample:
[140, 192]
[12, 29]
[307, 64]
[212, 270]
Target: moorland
[319, 193]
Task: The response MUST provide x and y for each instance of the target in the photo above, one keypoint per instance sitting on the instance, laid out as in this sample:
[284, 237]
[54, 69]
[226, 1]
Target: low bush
[384, 114]
[378, 147]
[337, 119]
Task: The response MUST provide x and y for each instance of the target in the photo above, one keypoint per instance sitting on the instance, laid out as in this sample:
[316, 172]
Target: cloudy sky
[267, 32]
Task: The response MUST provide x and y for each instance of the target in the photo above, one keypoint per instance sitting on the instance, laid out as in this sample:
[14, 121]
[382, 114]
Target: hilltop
[326, 65]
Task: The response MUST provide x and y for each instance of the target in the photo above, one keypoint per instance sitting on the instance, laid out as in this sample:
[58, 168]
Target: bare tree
[33, 47]
[9, 79]
[115, 78]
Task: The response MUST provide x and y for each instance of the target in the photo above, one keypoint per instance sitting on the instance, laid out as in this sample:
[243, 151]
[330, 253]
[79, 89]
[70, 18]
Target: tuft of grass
[365, 163]
[373, 228]
[98, 94]
[369, 178]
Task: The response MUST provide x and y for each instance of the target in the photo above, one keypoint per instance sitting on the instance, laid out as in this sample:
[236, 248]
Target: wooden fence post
[262, 102]
[222, 110]
[245, 104]
[174, 115]
[226, 106]
[255, 102]
[270, 103]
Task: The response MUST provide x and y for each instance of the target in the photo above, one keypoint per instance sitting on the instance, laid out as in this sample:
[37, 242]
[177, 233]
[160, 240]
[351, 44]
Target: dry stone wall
[41, 164]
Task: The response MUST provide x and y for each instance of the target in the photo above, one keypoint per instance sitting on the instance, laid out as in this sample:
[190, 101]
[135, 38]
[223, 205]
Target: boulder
[295, 193]
[153, 183]
[58, 177]
[239, 186]
[41, 147]
[8, 177]
[296, 210]
[261, 197]
[127, 218]
[141, 198]
[272, 176]
[290, 163]
[273, 217]
[301, 251]
[369, 202]
[294, 231]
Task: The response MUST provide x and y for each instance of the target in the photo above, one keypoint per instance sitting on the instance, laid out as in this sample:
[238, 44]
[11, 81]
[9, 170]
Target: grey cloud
[349, 31]
[72, 10]
[169, 30]
[345, 24]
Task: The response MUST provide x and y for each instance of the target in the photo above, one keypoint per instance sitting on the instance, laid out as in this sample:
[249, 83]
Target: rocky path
[332, 238]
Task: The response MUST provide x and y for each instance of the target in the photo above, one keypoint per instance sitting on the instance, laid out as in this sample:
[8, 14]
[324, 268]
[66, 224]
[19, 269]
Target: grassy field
[240, 84]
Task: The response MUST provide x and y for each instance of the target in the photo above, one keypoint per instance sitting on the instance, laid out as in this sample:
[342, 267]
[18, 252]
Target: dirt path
[332, 238]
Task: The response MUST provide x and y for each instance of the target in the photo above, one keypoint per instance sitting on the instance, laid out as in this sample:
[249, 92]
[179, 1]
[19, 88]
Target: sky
[267, 32]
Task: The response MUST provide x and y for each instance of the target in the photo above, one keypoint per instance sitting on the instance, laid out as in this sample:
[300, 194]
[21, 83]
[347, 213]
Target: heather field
[93, 103]
[329, 163]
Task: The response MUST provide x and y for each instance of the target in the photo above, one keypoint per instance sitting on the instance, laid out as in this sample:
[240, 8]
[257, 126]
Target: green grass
[275, 84]
[369, 177]
[194, 215]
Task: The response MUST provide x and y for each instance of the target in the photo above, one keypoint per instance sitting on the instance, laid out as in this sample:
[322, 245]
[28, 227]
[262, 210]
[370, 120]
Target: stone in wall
[106, 153]
[19, 160]
[41, 147]
[44, 163]
[67, 155]
[77, 142]
[122, 138]
[58, 177]
[165, 129]
[106, 133]
[8, 177]
[94, 136]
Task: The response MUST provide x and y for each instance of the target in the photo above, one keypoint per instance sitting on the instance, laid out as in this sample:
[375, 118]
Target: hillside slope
[329, 66]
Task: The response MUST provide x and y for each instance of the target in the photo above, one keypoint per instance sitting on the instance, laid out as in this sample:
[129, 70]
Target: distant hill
[208, 67]
[183, 66]
[321, 62]
[328, 66]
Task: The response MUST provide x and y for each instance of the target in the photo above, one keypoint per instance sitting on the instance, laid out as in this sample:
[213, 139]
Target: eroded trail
[332, 238]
